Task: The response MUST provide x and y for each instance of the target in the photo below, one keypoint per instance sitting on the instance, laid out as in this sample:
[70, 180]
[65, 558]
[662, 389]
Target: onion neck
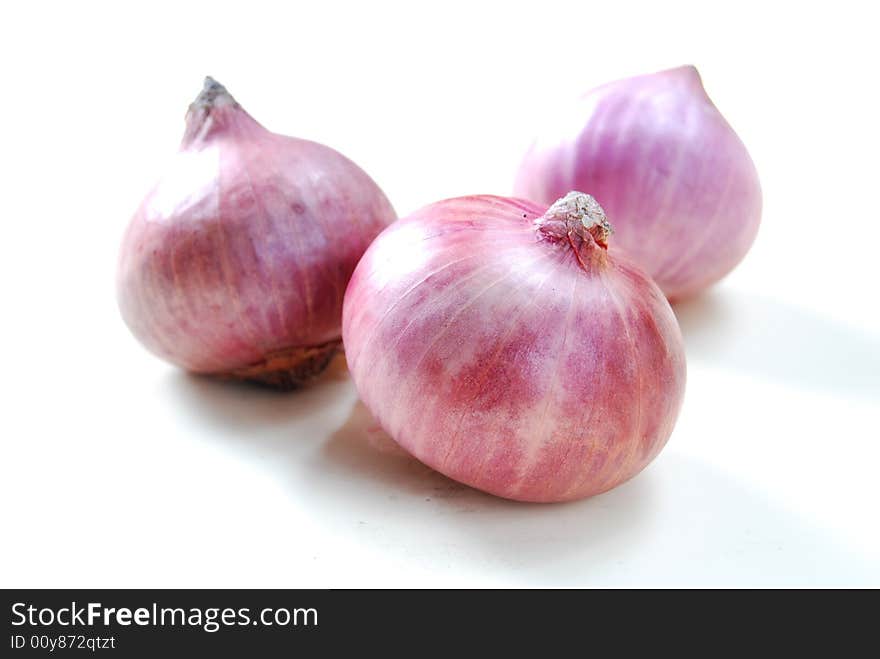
[214, 112]
[578, 220]
[686, 76]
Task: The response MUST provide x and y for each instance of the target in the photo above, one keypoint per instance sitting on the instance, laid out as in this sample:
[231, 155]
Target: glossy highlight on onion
[504, 345]
[679, 183]
[236, 263]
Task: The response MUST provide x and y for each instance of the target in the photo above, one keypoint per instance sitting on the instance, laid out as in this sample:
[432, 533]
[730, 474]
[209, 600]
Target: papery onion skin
[678, 182]
[236, 263]
[511, 351]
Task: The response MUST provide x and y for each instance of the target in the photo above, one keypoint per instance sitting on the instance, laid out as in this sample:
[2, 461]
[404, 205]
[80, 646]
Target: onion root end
[288, 369]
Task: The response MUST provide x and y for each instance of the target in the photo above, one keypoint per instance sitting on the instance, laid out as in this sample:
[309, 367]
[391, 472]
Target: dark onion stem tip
[212, 95]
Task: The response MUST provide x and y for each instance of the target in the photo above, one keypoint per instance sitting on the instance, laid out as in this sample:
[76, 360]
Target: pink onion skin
[679, 183]
[507, 357]
[236, 263]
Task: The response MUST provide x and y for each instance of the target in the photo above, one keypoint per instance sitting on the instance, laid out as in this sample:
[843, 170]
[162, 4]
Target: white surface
[118, 470]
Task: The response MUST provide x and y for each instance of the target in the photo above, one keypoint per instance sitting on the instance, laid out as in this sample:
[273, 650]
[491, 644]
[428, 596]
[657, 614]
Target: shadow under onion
[776, 340]
[243, 405]
[633, 535]
[394, 489]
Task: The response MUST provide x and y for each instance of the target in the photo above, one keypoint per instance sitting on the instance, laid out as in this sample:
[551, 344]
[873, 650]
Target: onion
[679, 183]
[236, 263]
[507, 348]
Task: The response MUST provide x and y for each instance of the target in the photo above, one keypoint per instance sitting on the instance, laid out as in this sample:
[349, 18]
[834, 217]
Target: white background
[119, 470]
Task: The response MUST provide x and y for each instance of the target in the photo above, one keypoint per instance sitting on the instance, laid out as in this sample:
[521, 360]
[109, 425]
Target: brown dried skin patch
[288, 369]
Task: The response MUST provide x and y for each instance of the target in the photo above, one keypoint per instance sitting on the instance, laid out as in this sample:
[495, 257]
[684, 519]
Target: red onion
[236, 263]
[507, 348]
[679, 183]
